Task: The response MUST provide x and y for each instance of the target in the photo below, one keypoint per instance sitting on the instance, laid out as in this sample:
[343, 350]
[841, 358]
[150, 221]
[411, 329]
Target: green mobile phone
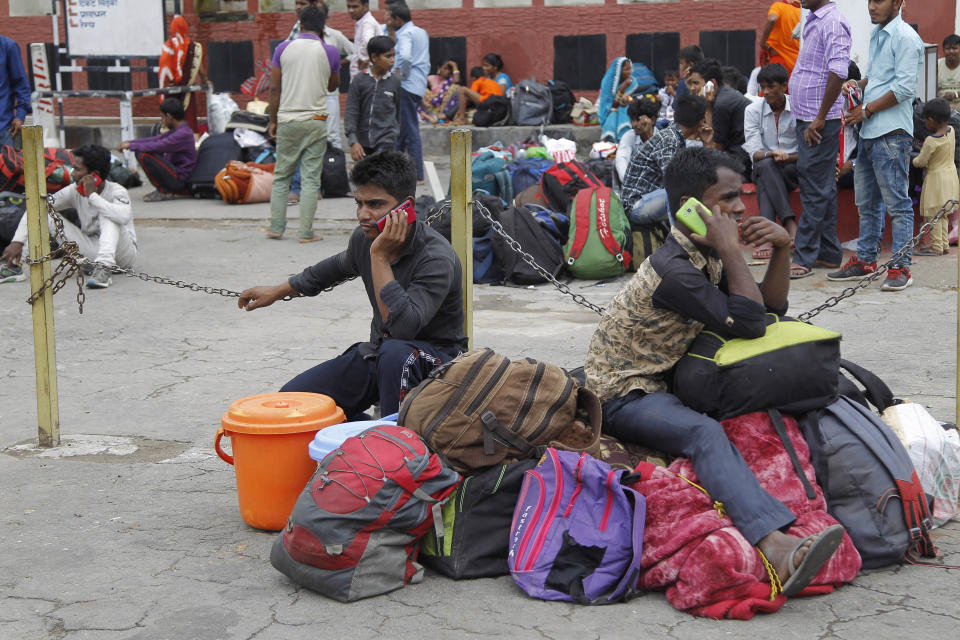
[689, 215]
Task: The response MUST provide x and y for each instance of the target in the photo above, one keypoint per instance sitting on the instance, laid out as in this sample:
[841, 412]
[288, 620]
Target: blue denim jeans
[661, 421]
[650, 208]
[409, 138]
[816, 171]
[6, 139]
[881, 181]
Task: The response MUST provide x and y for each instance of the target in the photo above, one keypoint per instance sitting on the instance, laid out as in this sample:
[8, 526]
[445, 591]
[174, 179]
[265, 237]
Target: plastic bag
[935, 452]
[560, 149]
[603, 149]
[219, 108]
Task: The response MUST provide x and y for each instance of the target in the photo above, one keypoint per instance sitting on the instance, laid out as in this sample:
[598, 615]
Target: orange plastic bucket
[270, 434]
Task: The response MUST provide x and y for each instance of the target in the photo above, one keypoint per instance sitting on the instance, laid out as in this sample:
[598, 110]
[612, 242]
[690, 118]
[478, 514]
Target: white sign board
[114, 27]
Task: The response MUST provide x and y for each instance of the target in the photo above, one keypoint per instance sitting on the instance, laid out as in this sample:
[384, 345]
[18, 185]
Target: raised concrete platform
[435, 138]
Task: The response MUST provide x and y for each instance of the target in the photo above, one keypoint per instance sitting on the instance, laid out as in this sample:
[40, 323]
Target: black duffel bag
[793, 367]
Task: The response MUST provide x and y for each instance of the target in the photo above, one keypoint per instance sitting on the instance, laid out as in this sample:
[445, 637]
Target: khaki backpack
[481, 410]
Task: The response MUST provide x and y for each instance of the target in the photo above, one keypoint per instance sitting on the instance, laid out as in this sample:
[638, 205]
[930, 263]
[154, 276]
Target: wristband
[866, 112]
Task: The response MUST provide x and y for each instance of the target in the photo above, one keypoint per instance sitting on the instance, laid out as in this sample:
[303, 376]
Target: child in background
[373, 103]
[668, 94]
[941, 182]
[643, 118]
[481, 88]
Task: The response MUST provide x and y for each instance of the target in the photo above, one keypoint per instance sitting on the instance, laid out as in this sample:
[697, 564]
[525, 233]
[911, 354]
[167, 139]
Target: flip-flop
[823, 264]
[311, 239]
[763, 253]
[820, 551]
[798, 271]
[158, 196]
[926, 251]
[293, 199]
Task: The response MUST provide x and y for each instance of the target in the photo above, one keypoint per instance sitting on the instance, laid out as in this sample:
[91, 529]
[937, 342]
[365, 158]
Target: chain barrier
[526, 257]
[864, 282]
[72, 264]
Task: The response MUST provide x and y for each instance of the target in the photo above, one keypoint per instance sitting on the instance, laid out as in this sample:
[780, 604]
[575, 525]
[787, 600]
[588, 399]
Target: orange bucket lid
[282, 412]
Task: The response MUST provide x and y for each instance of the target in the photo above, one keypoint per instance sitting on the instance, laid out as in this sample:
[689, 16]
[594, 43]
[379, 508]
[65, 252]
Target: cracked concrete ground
[150, 547]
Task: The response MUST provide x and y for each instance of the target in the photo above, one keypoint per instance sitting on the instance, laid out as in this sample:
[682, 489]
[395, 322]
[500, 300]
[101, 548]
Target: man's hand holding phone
[709, 229]
[394, 230]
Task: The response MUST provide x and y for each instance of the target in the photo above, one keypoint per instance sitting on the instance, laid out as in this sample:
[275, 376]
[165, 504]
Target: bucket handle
[226, 457]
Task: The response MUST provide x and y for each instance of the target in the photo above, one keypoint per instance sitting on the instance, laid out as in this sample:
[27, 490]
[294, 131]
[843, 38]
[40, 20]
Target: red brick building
[573, 40]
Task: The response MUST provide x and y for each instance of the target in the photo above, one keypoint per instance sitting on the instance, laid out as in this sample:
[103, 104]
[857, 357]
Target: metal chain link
[72, 263]
[513, 244]
[863, 283]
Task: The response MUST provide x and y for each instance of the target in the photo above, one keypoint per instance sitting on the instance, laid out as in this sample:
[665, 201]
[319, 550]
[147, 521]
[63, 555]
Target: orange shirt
[486, 88]
[781, 38]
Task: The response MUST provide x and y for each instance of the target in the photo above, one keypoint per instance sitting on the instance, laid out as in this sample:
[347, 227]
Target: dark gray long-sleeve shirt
[424, 298]
[371, 116]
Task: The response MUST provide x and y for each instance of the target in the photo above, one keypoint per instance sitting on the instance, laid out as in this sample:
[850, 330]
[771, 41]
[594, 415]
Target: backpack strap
[604, 201]
[582, 218]
[917, 515]
[781, 429]
[493, 430]
[877, 391]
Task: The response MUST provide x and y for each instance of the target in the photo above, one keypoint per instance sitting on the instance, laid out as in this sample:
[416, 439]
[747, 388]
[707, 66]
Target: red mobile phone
[96, 182]
[404, 207]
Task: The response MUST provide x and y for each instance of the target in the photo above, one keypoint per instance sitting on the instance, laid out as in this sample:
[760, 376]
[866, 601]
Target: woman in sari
[440, 99]
[181, 63]
[616, 93]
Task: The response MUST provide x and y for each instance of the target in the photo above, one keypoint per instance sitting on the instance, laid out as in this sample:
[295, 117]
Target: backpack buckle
[570, 261]
[620, 258]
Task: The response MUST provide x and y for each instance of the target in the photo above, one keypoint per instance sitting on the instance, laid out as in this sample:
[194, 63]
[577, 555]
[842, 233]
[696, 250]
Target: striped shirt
[825, 50]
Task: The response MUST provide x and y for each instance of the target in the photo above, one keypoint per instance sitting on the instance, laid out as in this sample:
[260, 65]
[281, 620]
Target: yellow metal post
[44, 351]
[461, 217]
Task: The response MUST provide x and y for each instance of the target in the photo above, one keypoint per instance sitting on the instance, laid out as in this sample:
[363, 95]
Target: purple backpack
[577, 532]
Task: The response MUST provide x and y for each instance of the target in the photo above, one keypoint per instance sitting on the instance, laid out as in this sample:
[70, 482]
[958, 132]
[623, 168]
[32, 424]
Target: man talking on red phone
[412, 278]
[106, 233]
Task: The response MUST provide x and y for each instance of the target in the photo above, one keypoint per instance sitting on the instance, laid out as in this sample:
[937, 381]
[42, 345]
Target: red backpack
[356, 528]
[561, 182]
[11, 167]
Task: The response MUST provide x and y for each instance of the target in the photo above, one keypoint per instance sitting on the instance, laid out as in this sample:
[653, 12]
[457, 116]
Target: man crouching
[692, 283]
[412, 278]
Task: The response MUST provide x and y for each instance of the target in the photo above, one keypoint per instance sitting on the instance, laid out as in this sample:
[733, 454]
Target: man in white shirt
[366, 28]
[771, 142]
[106, 232]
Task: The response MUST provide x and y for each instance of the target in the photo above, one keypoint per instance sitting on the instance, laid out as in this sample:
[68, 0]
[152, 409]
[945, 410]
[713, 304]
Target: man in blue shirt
[412, 65]
[14, 91]
[886, 138]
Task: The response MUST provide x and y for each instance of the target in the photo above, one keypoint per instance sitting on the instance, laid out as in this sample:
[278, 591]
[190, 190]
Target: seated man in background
[689, 284]
[643, 113]
[412, 279]
[106, 232]
[725, 107]
[642, 193]
[481, 88]
[771, 142]
[169, 158]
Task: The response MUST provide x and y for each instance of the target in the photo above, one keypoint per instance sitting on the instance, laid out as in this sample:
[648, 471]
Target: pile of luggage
[498, 467]
[565, 215]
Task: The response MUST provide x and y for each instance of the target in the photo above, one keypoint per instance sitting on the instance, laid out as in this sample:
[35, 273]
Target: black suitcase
[214, 154]
[333, 180]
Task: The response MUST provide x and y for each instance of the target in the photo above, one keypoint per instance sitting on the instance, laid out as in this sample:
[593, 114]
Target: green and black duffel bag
[794, 367]
[476, 524]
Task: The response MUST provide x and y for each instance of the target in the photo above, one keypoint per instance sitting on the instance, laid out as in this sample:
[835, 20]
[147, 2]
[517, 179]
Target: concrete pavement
[139, 536]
